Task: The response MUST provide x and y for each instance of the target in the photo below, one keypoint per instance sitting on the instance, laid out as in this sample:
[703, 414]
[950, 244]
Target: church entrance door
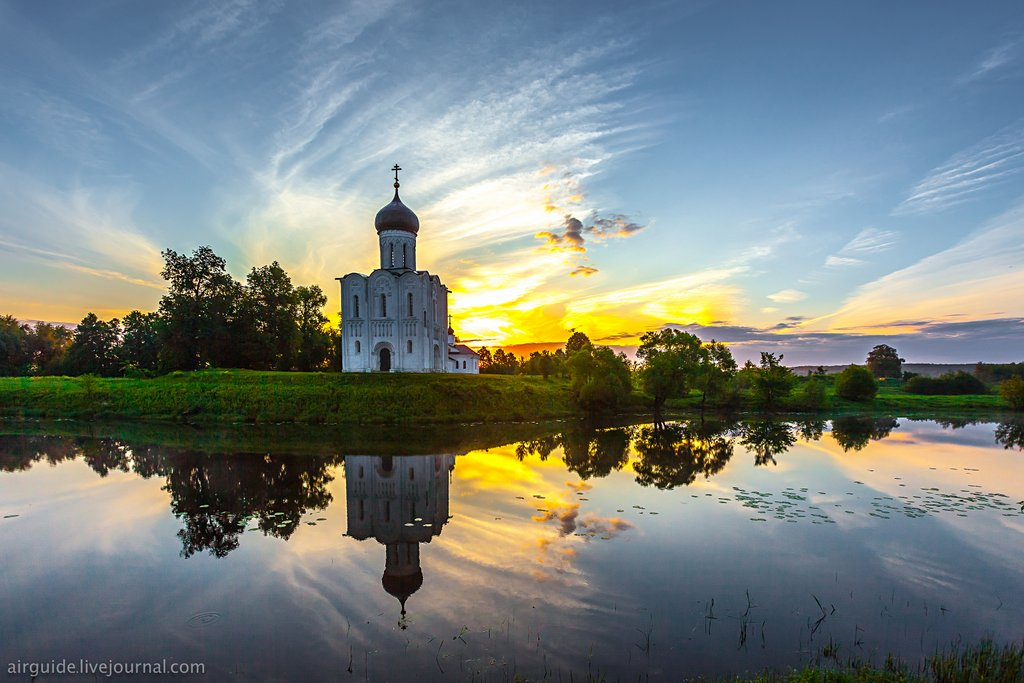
[385, 360]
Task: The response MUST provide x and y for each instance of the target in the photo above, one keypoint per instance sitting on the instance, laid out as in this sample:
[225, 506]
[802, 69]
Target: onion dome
[402, 586]
[396, 215]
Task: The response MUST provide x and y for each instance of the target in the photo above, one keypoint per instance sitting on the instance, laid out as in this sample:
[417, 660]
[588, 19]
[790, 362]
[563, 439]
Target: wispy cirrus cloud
[969, 173]
[994, 60]
[978, 278]
[868, 241]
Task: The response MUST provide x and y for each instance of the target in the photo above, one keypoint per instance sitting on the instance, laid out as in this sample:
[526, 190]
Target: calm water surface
[707, 548]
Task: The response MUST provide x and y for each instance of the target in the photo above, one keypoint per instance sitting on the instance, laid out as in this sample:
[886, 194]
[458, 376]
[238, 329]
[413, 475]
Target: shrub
[812, 395]
[1012, 391]
[856, 383]
[949, 384]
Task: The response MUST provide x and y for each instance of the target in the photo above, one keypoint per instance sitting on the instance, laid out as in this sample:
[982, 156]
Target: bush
[1012, 391]
[856, 383]
[812, 395]
[949, 384]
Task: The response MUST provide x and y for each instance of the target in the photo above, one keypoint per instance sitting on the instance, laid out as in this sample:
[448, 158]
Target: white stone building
[396, 318]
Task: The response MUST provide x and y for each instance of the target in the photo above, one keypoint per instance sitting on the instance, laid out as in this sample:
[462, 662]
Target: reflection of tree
[854, 432]
[1010, 435]
[217, 495]
[587, 451]
[19, 453]
[810, 429]
[766, 438]
[675, 454]
[541, 447]
[104, 455]
[595, 453]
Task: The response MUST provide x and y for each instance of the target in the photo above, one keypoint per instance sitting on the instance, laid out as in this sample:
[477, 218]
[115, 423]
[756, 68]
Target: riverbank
[254, 397]
[224, 396]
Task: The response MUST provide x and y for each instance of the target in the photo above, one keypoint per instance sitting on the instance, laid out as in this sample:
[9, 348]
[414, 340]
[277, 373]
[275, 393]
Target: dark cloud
[616, 225]
[571, 236]
[585, 271]
[996, 340]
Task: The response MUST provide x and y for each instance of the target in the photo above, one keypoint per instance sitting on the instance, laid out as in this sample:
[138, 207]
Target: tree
[140, 345]
[14, 353]
[93, 350]
[266, 326]
[716, 367]
[577, 342]
[47, 347]
[1012, 391]
[671, 362]
[812, 394]
[599, 379]
[884, 361]
[199, 309]
[314, 343]
[771, 381]
[856, 383]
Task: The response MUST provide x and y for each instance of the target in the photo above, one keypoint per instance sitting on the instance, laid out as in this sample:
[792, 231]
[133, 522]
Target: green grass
[272, 397]
[981, 663]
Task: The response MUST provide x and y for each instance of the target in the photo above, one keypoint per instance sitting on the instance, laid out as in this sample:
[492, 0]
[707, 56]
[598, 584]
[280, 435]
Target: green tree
[199, 310]
[716, 367]
[771, 381]
[599, 380]
[671, 363]
[93, 350]
[266, 327]
[856, 383]
[140, 344]
[577, 342]
[47, 347]
[14, 351]
[884, 361]
[314, 342]
[1012, 391]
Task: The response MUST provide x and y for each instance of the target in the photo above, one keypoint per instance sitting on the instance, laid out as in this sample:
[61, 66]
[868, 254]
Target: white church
[396, 318]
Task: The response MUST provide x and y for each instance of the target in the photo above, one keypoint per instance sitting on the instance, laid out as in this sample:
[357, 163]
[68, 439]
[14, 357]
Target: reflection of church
[401, 501]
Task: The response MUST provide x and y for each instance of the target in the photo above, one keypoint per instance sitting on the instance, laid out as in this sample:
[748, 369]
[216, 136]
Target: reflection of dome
[402, 585]
[397, 216]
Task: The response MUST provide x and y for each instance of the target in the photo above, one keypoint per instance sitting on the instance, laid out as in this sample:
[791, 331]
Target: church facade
[396, 318]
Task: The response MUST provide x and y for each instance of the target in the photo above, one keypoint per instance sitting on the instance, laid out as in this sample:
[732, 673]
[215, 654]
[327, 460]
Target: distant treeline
[206, 319]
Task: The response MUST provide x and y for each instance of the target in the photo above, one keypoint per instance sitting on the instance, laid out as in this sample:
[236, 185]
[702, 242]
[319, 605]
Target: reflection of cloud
[605, 527]
[564, 513]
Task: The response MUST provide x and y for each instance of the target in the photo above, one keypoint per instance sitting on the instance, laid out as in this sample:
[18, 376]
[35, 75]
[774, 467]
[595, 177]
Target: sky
[805, 178]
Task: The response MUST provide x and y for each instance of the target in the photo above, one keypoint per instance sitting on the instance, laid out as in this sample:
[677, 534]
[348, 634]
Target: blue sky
[802, 177]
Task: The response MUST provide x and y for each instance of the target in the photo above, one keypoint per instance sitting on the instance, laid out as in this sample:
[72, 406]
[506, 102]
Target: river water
[707, 548]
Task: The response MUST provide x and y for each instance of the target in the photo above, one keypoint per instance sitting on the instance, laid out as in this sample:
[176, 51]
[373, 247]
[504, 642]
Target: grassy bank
[224, 396]
[890, 399]
[981, 663]
[271, 397]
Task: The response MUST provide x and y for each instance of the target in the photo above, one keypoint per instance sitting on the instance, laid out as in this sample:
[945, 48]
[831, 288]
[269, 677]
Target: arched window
[408, 346]
[358, 347]
[383, 305]
[355, 305]
[392, 255]
[412, 474]
[409, 301]
[405, 257]
[463, 365]
[424, 317]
